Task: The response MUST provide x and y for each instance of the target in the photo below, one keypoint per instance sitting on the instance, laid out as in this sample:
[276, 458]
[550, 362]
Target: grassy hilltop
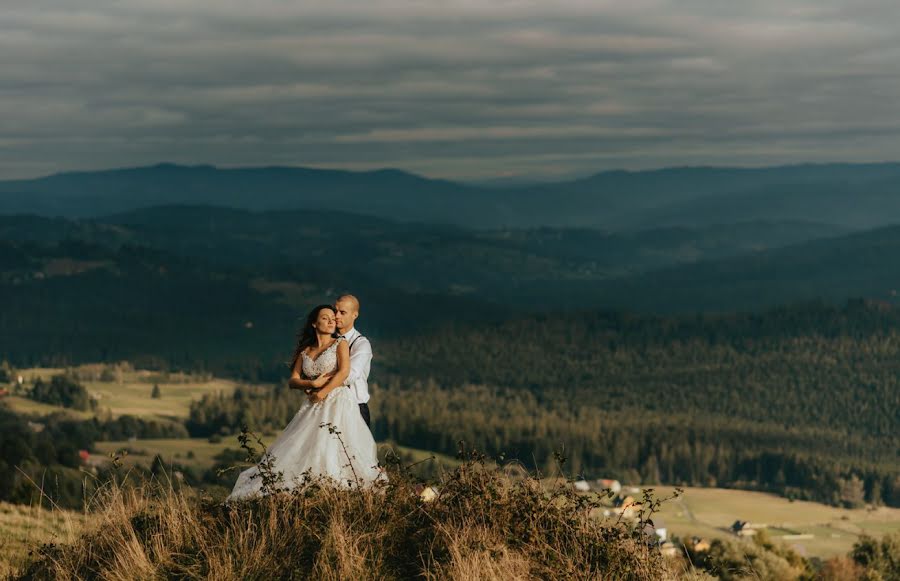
[482, 526]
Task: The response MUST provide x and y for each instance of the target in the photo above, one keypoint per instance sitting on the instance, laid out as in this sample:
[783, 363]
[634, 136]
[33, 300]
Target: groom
[346, 312]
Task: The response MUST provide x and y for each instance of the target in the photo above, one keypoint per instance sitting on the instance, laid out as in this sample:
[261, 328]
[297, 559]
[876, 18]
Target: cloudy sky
[458, 88]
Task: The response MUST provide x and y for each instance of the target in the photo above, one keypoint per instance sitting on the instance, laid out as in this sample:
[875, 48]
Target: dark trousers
[364, 412]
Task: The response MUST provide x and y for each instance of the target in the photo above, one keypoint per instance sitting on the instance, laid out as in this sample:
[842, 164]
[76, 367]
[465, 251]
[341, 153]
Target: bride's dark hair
[307, 336]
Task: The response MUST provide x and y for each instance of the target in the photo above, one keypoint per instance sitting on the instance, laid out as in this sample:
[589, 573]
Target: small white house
[657, 530]
[743, 528]
[613, 486]
[662, 534]
[582, 486]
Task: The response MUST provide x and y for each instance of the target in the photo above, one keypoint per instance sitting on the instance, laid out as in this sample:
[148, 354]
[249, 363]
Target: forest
[801, 399]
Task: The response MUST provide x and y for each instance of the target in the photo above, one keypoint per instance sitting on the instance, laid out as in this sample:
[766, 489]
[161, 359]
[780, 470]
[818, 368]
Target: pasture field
[23, 405]
[128, 394]
[133, 397]
[710, 512]
[189, 451]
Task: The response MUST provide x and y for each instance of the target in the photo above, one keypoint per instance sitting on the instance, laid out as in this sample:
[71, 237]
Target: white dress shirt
[360, 364]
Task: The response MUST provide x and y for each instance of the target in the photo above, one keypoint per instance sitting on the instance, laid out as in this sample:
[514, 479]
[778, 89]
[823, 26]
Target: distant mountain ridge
[847, 195]
[90, 194]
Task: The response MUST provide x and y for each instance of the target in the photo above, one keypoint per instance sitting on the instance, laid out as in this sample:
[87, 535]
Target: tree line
[647, 446]
[802, 400]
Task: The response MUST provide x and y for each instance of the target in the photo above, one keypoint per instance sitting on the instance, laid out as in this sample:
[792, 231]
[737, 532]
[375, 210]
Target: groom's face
[345, 315]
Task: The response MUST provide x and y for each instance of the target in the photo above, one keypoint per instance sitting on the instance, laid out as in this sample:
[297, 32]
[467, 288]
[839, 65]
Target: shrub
[7, 373]
[840, 568]
[62, 391]
[759, 558]
[878, 558]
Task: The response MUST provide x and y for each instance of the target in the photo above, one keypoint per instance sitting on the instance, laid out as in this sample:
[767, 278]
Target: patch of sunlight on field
[23, 528]
[133, 398]
[32, 373]
[879, 527]
[826, 541]
[709, 512]
[23, 405]
[128, 396]
[188, 451]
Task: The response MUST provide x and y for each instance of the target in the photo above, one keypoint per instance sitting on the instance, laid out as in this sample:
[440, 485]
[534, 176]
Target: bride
[327, 437]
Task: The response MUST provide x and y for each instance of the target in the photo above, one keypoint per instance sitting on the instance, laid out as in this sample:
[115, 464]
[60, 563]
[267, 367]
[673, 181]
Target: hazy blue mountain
[382, 192]
[705, 196]
[854, 196]
[854, 205]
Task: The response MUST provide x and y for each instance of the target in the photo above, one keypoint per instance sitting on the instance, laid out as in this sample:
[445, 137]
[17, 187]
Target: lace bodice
[325, 362]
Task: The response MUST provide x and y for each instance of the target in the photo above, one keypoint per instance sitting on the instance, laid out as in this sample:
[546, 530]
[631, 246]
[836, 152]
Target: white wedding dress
[327, 439]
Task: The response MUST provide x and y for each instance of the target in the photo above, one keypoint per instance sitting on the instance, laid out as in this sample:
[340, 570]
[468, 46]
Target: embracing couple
[329, 436]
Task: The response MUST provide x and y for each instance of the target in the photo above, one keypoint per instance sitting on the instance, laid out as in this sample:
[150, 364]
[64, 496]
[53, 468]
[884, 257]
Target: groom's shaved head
[352, 300]
[346, 311]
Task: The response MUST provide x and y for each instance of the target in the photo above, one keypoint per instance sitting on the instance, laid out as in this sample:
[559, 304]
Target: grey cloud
[454, 89]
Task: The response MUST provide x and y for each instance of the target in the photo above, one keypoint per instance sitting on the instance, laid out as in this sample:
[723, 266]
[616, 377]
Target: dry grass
[22, 528]
[483, 526]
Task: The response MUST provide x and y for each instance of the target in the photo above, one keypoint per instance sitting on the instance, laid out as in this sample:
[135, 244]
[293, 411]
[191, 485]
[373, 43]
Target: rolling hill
[527, 268]
[861, 264]
[852, 196]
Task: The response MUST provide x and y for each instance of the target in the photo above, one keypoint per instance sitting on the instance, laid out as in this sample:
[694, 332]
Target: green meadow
[127, 394]
[710, 512]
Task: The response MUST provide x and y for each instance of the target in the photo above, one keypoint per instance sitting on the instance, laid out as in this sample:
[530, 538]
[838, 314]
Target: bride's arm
[297, 381]
[340, 374]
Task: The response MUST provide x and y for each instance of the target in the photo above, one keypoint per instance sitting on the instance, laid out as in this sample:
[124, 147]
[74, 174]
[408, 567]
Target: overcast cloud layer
[458, 89]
